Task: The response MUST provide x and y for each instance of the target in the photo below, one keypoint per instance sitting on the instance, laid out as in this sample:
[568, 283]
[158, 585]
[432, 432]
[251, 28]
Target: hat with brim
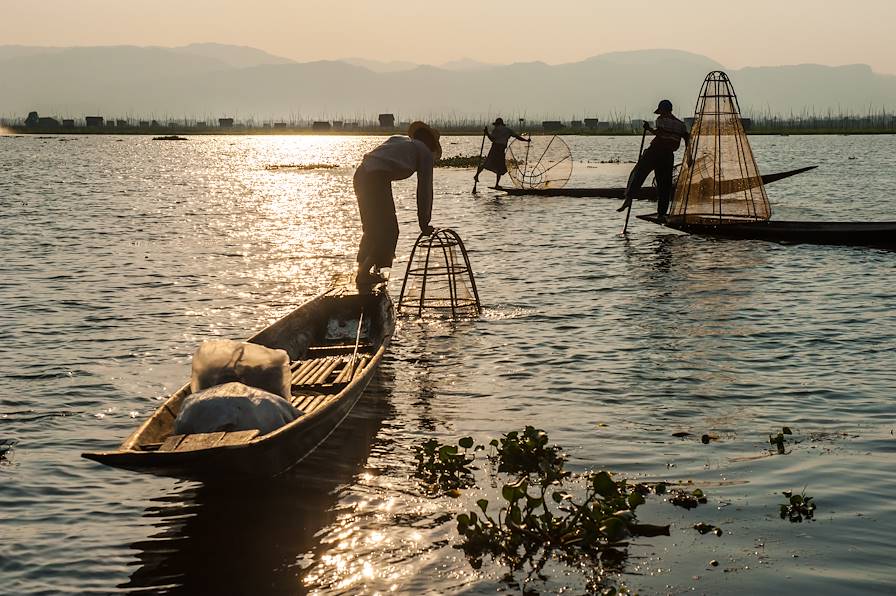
[664, 106]
[431, 137]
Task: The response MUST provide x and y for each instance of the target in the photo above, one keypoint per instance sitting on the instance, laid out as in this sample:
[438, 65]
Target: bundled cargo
[233, 407]
[223, 361]
[237, 386]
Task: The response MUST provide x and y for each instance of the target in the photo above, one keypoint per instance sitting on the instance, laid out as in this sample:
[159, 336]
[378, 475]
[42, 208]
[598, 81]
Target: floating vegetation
[459, 161]
[170, 138]
[778, 440]
[798, 507]
[688, 500]
[302, 166]
[705, 528]
[444, 468]
[6, 446]
[538, 520]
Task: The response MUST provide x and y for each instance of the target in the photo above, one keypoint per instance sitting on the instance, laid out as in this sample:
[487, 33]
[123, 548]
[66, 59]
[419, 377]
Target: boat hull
[276, 452]
[872, 234]
[646, 193]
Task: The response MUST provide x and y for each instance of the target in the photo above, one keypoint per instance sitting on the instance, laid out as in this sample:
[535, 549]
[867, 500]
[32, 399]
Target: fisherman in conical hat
[659, 157]
[396, 159]
[494, 161]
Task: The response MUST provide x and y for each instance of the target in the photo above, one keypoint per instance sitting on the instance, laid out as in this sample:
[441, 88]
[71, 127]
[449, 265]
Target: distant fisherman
[396, 159]
[659, 158]
[494, 161]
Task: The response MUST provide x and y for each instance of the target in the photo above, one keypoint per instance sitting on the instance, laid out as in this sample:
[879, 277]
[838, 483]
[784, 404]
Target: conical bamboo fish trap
[439, 277]
[719, 182]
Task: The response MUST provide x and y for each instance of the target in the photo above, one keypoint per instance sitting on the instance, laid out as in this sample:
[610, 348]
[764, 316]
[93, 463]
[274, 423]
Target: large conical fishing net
[544, 162]
[719, 181]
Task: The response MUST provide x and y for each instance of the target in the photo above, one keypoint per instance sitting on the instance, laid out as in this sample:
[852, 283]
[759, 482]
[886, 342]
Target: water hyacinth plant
[798, 507]
[539, 517]
[445, 468]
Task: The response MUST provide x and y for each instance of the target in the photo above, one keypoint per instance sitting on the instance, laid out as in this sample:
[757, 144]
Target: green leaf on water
[508, 491]
[604, 485]
[483, 504]
[635, 499]
[614, 529]
[787, 430]
[466, 442]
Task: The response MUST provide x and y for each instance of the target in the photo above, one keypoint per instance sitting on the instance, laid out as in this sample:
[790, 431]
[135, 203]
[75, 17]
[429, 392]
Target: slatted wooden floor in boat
[316, 381]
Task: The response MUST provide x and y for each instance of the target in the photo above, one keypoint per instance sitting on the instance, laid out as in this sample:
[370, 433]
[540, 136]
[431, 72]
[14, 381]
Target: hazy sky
[735, 33]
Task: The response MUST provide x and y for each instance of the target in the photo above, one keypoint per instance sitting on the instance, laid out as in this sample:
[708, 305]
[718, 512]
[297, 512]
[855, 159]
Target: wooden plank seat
[309, 403]
[193, 442]
[337, 349]
[326, 373]
[323, 378]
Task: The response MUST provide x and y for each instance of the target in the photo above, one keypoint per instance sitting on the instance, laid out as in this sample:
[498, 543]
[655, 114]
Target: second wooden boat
[335, 343]
[646, 193]
[879, 234]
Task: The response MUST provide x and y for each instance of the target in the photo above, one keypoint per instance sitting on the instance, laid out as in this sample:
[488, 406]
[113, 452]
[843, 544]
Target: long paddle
[629, 199]
[481, 147]
[351, 363]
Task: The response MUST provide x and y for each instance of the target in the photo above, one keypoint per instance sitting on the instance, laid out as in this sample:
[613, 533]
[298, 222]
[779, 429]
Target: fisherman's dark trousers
[660, 162]
[378, 220]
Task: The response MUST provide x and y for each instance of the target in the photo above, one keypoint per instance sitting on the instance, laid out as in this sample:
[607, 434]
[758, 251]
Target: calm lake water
[121, 254]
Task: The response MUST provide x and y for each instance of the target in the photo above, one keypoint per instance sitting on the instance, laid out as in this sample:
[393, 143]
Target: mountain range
[208, 80]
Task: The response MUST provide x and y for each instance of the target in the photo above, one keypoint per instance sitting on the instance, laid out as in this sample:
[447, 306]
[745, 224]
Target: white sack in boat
[221, 361]
[231, 407]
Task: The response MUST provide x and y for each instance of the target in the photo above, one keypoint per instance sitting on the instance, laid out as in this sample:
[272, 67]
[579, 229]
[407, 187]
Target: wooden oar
[481, 147]
[351, 363]
[629, 199]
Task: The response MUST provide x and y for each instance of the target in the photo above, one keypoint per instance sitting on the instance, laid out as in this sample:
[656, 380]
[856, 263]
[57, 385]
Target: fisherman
[396, 159]
[494, 161]
[659, 158]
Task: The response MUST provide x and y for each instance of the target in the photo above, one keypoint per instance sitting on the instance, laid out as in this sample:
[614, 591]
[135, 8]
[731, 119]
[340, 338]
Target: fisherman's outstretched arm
[425, 166]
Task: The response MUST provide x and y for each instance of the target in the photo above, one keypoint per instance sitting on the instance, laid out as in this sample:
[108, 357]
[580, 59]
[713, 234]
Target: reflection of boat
[876, 234]
[261, 536]
[647, 193]
[335, 342]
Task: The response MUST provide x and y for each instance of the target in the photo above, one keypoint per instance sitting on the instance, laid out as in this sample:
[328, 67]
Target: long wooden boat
[879, 234]
[645, 193]
[335, 343]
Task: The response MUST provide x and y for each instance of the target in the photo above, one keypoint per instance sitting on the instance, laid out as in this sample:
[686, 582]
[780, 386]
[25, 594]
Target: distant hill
[380, 66]
[212, 80]
[235, 56]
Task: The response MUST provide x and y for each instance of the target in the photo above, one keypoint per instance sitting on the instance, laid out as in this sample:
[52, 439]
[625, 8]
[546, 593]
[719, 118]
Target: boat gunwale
[869, 234]
[646, 193]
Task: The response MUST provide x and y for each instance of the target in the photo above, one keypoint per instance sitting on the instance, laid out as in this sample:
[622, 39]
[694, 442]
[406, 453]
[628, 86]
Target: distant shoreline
[186, 131]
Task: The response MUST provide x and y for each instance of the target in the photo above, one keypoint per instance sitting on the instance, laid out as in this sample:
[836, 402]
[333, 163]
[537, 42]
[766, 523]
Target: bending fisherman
[494, 161]
[396, 159]
[659, 158]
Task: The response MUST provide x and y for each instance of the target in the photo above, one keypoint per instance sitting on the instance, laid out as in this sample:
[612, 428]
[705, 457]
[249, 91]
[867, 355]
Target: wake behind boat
[335, 343]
